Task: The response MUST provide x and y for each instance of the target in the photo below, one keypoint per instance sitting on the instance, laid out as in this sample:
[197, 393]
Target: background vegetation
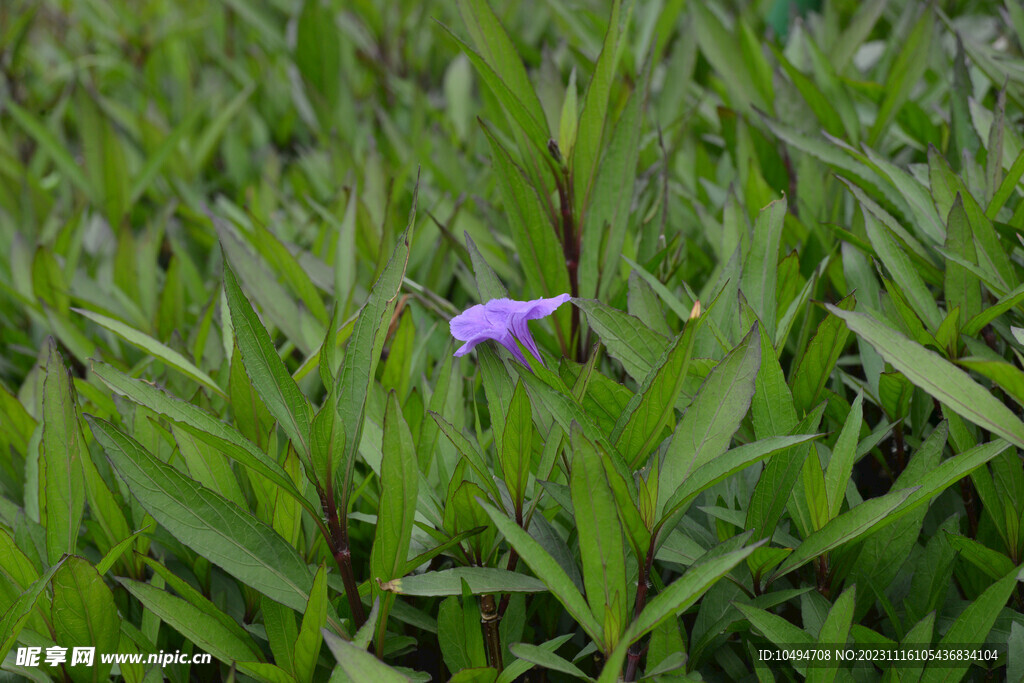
[784, 406]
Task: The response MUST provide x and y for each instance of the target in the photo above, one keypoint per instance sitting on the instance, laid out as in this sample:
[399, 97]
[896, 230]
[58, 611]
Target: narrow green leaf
[760, 269]
[548, 571]
[532, 232]
[14, 619]
[725, 466]
[587, 150]
[600, 537]
[49, 142]
[847, 527]
[639, 429]
[685, 591]
[496, 48]
[546, 659]
[714, 416]
[230, 538]
[904, 73]
[972, 626]
[360, 665]
[627, 339]
[307, 645]
[516, 452]
[938, 377]
[270, 378]
[607, 217]
[363, 351]
[154, 348]
[481, 580]
[399, 482]
[203, 426]
[60, 465]
[83, 611]
[844, 454]
[816, 364]
[193, 623]
[522, 113]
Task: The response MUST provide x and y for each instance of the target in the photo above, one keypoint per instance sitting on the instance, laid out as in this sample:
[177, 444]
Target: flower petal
[470, 323]
[509, 342]
[542, 308]
[521, 330]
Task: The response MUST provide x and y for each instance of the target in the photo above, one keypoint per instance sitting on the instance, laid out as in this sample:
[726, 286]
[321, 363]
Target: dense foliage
[782, 408]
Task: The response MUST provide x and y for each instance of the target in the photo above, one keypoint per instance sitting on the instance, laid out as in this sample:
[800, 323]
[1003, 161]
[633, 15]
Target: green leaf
[548, 571]
[600, 538]
[516, 452]
[835, 631]
[775, 486]
[546, 659]
[937, 376]
[318, 54]
[363, 352]
[60, 465]
[569, 118]
[972, 626]
[480, 580]
[723, 466]
[845, 528]
[520, 666]
[714, 416]
[639, 429]
[587, 150]
[902, 270]
[760, 270]
[459, 634]
[518, 111]
[232, 539]
[359, 664]
[532, 232]
[905, 72]
[154, 348]
[627, 339]
[991, 562]
[488, 284]
[777, 630]
[270, 378]
[56, 151]
[307, 645]
[193, 623]
[607, 216]
[203, 426]
[726, 56]
[494, 45]
[819, 359]
[14, 619]
[962, 288]
[685, 590]
[399, 482]
[83, 611]
[844, 454]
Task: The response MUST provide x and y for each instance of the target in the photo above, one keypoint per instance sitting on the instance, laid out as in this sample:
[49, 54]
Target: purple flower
[504, 321]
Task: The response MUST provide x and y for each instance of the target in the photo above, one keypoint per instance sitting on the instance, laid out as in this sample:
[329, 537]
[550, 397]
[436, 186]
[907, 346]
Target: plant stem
[337, 541]
[490, 619]
[643, 586]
